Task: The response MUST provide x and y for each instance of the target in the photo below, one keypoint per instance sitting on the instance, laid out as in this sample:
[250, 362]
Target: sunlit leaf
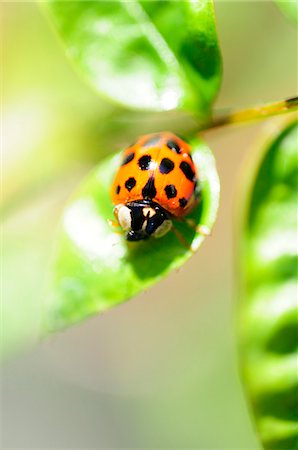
[96, 268]
[269, 316]
[289, 8]
[149, 55]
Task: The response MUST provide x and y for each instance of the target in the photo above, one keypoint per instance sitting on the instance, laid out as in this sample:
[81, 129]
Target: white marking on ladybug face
[148, 212]
[163, 229]
[123, 215]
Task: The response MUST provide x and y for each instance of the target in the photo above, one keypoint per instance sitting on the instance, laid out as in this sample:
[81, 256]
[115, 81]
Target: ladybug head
[142, 219]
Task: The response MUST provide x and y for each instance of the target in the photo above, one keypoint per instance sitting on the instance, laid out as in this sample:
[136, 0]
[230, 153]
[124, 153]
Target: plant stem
[29, 191]
[255, 113]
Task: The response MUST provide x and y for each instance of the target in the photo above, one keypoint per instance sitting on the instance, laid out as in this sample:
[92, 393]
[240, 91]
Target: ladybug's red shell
[158, 167]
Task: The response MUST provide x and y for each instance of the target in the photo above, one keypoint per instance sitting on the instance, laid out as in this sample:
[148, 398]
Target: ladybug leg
[119, 232]
[113, 223]
[181, 239]
[204, 230]
[201, 229]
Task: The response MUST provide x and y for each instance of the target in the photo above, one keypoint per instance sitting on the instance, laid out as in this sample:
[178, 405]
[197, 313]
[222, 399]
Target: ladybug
[155, 183]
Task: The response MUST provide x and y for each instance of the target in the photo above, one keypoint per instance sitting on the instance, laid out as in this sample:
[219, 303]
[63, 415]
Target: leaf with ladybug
[96, 267]
[148, 55]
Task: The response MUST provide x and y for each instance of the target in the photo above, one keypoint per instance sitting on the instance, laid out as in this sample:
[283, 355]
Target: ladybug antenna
[181, 238]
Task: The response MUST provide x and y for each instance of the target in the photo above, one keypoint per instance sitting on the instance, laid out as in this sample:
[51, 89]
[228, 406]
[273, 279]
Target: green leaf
[148, 55]
[96, 268]
[268, 316]
[289, 8]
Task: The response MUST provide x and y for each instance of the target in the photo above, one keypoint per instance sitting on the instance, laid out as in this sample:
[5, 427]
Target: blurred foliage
[268, 316]
[96, 268]
[145, 55]
[289, 8]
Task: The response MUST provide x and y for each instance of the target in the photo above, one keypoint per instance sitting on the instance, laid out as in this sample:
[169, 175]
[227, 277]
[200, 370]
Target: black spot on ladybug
[149, 190]
[182, 202]
[174, 146]
[187, 170]
[118, 188]
[128, 158]
[170, 191]
[144, 162]
[130, 183]
[166, 165]
[153, 140]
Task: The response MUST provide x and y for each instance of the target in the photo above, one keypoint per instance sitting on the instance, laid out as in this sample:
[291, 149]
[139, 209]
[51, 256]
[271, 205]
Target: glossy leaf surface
[96, 268]
[269, 316]
[145, 55]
